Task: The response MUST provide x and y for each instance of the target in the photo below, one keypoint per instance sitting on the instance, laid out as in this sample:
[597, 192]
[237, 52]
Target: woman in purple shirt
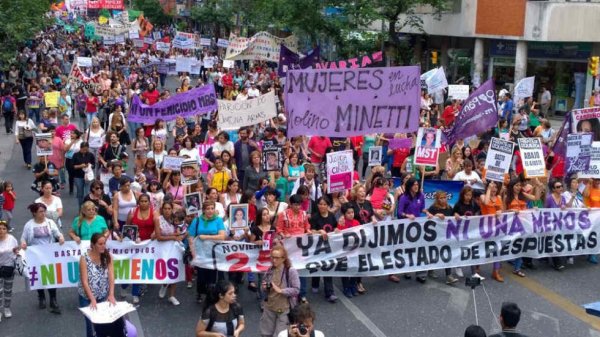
[555, 199]
[410, 206]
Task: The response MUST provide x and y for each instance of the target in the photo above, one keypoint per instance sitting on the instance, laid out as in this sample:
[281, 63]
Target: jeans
[26, 144]
[136, 289]
[34, 114]
[9, 120]
[327, 284]
[82, 189]
[89, 330]
[132, 126]
[302, 287]
[89, 116]
[517, 264]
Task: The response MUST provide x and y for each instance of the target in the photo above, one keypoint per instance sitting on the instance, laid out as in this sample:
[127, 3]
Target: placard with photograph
[43, 144]
[189, 172]
[375, 155]
[238, 216]
[271, 159]
[192, 202]
[130, 232]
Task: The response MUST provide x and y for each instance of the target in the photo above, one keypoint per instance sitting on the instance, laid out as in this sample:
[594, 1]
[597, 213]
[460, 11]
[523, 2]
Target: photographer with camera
[302, 320]
[282, 286]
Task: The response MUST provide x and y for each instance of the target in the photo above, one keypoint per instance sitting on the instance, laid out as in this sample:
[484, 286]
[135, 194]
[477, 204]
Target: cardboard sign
[499, 157]
[532, 157]
[340, 166]
[458, 91]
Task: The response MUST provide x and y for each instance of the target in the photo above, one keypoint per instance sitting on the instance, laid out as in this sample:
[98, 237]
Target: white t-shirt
[284, 333]
[7, 256]
[469, 179]
[53, 206]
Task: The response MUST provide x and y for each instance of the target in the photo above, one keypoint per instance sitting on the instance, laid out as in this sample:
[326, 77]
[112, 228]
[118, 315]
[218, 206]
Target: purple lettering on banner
[399, 143]
[350, 102]
[197, 101]
[478, 114]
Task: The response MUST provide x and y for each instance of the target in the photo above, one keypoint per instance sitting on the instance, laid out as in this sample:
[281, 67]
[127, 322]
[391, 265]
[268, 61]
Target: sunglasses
[557, 187]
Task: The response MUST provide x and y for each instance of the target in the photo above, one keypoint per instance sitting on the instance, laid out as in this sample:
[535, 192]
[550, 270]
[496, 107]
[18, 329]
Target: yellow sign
[51, 99]
[102, 20]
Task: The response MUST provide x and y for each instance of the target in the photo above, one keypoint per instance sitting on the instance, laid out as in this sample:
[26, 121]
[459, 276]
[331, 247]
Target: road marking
[559, 301]
[359, 315]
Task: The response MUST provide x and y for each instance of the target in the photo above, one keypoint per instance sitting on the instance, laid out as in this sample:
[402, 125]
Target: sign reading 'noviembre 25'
[349, 102]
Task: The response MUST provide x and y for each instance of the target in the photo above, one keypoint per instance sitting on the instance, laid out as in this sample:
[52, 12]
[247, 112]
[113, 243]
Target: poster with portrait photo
[130, 232]
[586, 121]
[238, 216]
[271, 159]
[43, 144]
[428, 146]
[189, 172]
[192, 202]
[375, 155]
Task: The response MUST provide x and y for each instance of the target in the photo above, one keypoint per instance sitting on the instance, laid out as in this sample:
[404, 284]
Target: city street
[551, 301]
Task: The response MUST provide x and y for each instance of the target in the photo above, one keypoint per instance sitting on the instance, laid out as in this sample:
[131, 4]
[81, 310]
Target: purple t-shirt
[414, 206]
[551, 203]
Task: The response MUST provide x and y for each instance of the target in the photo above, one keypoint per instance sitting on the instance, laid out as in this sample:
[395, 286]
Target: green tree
[153, 11]
[396, 14]
[216, 16]
[20, 21]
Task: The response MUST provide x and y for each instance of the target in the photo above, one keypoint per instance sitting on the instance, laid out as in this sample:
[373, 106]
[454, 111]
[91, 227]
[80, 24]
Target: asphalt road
[551, 301]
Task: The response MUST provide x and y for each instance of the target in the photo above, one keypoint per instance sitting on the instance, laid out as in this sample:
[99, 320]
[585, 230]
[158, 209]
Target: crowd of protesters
[113, 168]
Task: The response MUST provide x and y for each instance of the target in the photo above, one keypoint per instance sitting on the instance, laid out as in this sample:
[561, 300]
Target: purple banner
[191, 103]
[289, 60]
[478, 114]
[351, 102]
[400, 143]
[560, 144]
[375, 59]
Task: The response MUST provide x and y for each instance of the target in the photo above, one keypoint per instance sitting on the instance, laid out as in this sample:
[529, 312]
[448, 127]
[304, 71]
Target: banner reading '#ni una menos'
[149, 262]
[403, 246]
[197, 101]
[236, 114]
[350, 102]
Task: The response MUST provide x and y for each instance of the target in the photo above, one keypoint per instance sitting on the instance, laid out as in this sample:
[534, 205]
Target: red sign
[427, 156]
[105, 4]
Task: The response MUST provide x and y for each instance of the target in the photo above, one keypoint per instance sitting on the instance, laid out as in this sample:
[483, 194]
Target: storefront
[559, 66]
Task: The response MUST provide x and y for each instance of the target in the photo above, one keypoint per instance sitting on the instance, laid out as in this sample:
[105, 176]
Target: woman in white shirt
[189, 149]
[24, 129]
[94, 135]
[54, 206]
[470, 177]
[158, 152]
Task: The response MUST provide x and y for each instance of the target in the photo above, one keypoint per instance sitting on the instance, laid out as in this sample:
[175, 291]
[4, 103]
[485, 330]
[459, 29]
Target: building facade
[508, 40]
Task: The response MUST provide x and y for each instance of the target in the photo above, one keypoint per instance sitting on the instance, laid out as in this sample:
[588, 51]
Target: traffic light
[593, 65]
[434, 57]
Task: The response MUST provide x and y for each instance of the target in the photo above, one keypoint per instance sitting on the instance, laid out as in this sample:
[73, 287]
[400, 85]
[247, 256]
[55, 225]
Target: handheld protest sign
[192, 203]
[375, 155]
[238, 216]
[428, 145]
[532, 157]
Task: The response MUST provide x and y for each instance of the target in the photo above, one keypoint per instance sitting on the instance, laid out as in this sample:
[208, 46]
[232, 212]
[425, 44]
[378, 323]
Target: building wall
[506, 17]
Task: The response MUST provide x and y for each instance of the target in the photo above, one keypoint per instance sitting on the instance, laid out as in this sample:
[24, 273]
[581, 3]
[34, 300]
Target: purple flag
[350, 102]
[191, 103]
[478, 114]
[290, 60]
[400, 143]
[560, 144]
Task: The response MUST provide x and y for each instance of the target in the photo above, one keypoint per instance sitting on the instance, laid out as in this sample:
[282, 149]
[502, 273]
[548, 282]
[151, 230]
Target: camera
[472, 282]
[302, 329]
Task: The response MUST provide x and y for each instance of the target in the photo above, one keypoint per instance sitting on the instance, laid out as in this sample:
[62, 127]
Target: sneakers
[123, 293]
[451, 279]
[173, 300]
[478, 276]
[570, 260]
[354, 291]
[136, 299]
[7, 313]
[315, 290]
[459, 272]
[347, 292]
[421, 279]
[432, 274]
[163, 291]
[332, 299]
[593, 259]
[189, 285]
[303, 300]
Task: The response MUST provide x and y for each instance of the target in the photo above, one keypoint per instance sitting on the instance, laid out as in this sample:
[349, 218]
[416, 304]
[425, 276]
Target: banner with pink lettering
[149, 262]
[403, 246]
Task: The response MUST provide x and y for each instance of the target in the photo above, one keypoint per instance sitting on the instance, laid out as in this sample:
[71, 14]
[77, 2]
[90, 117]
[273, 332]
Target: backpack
[7, 105]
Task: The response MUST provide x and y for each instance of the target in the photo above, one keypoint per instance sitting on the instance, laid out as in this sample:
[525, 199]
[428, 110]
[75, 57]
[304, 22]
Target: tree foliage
[20, 21]
[152, 10]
